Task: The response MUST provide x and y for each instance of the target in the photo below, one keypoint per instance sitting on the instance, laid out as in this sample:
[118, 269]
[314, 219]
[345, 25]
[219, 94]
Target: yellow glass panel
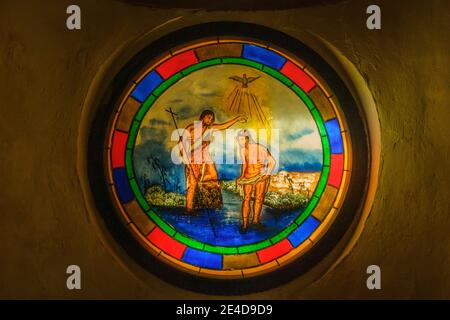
[127, 114]
[325, 203]
[322, 103]
[240, 261]
[139, 217]
[219, 50]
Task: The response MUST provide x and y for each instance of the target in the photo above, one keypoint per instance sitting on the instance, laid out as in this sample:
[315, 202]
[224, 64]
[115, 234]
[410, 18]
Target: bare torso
[198, 144]
[255, 157]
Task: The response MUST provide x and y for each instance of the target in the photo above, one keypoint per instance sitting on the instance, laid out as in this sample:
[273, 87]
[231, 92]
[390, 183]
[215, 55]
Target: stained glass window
[227, 156]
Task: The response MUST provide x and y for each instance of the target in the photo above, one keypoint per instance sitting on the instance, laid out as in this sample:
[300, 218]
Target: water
[221, 227]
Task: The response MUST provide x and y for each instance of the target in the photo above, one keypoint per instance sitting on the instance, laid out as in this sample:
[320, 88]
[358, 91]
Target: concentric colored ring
[191, 255]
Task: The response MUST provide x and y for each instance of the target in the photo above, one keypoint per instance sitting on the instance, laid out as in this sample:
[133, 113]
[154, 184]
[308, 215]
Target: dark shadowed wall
[46, 78]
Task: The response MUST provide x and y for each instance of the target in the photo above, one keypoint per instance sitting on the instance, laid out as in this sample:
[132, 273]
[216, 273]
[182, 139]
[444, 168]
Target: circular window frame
[134, 246]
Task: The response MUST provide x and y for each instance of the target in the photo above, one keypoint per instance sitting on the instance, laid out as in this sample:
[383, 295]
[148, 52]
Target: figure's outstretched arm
[229, 123]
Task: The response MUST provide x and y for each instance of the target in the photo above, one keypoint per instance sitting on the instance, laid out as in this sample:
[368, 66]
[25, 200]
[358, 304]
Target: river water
[221, 227]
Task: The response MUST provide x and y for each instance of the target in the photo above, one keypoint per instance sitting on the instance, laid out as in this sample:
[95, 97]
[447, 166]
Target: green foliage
[157, 197]
[285, 201]
[276, 200]
[230, 186]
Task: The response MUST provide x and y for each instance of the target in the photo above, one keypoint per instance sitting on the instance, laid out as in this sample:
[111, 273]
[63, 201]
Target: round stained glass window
[229, 156]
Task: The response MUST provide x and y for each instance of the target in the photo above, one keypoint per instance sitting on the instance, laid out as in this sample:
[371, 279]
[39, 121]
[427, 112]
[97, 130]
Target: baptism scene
[228, 156]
